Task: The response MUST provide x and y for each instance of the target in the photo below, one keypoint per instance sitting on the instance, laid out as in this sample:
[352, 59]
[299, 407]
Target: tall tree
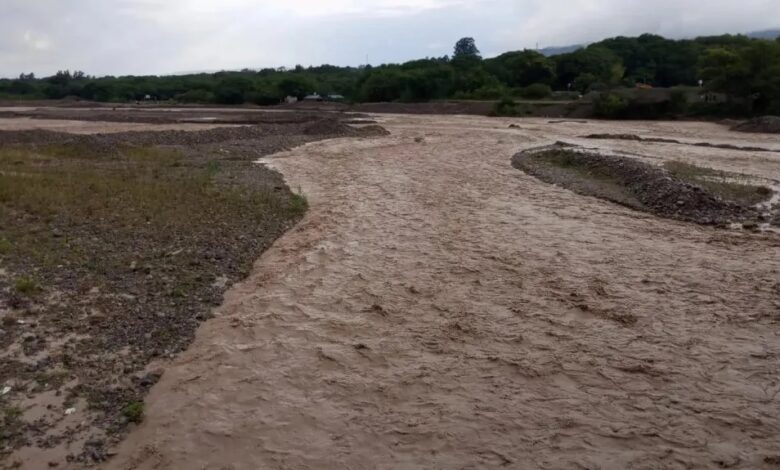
[466, 47]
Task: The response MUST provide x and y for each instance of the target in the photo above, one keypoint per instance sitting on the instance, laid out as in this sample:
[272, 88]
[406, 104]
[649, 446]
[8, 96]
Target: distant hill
[553, 51]
[767, 34]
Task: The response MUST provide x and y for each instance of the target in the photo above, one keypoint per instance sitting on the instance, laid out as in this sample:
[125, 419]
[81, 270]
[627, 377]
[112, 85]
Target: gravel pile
[631, 183]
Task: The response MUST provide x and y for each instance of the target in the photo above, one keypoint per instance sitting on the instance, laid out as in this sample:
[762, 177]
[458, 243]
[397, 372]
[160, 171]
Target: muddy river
[438, 308]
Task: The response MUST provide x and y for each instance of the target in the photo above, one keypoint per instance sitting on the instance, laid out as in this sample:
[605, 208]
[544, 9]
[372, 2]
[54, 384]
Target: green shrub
[5, 246]
[609, 106]
[298, 204]
[506, 107]
[134, 411]
[536, 91]
[26, 286]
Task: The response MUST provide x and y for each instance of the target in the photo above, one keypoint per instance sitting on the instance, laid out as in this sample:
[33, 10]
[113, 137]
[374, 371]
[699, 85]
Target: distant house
[313, 97]
[336, 98]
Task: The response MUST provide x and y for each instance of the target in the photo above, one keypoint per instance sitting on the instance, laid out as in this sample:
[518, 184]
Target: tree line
[746, 70]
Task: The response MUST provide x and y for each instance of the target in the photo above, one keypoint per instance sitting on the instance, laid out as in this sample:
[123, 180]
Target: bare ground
[437, 308]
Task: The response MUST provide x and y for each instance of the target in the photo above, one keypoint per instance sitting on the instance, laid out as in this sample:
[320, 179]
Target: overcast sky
[120, 37]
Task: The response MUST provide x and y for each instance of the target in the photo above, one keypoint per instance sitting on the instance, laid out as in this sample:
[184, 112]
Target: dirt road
[439, 309]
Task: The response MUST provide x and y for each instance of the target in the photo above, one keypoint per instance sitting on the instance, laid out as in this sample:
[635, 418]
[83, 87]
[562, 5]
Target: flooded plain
[438, 308]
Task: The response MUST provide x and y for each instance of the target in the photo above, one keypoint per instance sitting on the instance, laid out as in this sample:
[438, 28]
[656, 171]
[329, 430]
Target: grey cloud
[164, 36]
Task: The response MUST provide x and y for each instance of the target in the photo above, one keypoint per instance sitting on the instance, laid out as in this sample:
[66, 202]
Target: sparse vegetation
[26, 286]
[610, 106]
[131, 240]
[134, 412]
[298, 204]
[692, 193]
[5, 246]
[728, 186]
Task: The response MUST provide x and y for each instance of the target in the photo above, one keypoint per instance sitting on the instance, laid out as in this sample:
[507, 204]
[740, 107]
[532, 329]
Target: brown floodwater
[437, 308]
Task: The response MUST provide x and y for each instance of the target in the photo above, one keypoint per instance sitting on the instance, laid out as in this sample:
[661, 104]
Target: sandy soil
[439, 309]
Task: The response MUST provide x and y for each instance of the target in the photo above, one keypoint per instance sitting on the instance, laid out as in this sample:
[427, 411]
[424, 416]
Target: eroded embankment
[679, 191]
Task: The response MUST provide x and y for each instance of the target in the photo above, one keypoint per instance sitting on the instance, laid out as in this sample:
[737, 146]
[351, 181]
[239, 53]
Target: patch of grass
[11, 413]
[134, 411]
[52, 380]
[574, 162]
[298, 204]
[26, 286]
[5, 246]
[728, 186]
[583, 173]
[11, 427]
[213, 168]
[162, 156]
[70, 151]
[75, 223]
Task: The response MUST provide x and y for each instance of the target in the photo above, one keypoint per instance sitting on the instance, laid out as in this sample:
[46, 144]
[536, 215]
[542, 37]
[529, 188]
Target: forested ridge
[746, 70]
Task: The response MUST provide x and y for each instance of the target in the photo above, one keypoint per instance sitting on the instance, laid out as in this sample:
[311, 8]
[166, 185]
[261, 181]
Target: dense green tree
[232, 90]
[595, 60]
[749, 73]
[743, 68]
[296, 85]
[466, 47]
[383, 84]
[523, 68]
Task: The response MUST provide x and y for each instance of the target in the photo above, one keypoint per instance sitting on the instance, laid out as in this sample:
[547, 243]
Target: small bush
[213, 168]
[536, 91]
[134, 411]
[609, 106]
[506, 107]
[298, 204]
[487, 92]
[5, 246]
[26, 286]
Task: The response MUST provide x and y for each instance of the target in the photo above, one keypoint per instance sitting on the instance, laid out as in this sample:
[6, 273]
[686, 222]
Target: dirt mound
[332, 127]
[632, 183]
[374, 130]
[636, 138]
[765, 124]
